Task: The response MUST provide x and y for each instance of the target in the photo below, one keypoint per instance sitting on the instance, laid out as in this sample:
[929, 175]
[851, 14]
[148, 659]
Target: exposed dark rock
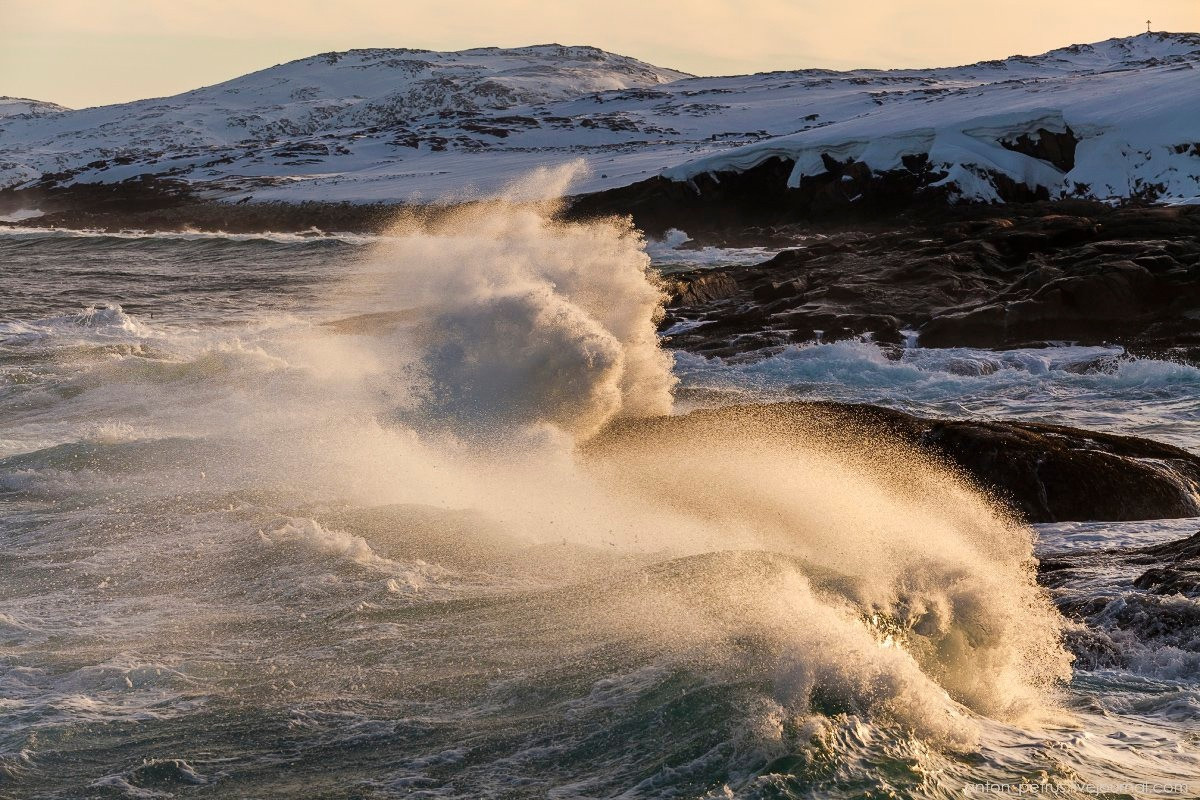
[1056, 148]
[850, 191]
[1045, 473]
[1176, 570]
[1097, 301]
[1052, 473]
[695, 289]
[1176, 579]
[760, 196]
[1064, 272]
[1180, 550]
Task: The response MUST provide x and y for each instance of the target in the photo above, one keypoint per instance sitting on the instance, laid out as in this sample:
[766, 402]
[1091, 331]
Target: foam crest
[107, 321]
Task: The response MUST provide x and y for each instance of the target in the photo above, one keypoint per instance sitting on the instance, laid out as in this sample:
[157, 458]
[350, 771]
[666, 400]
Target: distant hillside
[1111, 121]
[24, 107]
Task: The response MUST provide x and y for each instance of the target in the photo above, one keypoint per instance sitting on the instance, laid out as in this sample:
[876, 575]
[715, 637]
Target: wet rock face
[698, 289]
[1044, 473]
[1176, 567]
[1052, 473]
[1091, 276]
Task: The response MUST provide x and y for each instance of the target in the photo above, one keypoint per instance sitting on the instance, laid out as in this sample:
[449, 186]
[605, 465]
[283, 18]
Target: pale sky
[91, 52]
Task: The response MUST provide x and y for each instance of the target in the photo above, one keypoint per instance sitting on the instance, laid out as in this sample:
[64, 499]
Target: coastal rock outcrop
[1063, 272]
[1044, 473]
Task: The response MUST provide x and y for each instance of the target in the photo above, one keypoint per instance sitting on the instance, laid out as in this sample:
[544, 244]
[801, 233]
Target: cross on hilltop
[1147, 26]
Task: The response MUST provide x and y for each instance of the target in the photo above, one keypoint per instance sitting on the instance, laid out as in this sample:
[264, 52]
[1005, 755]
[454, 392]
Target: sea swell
[385, 542]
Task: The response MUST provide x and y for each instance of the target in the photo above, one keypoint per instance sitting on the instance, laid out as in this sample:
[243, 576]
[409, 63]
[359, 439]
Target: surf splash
[461, 469]
[496, 341]
[516, 319]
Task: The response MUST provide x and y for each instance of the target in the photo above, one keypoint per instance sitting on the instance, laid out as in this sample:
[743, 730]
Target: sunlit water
[247, 554]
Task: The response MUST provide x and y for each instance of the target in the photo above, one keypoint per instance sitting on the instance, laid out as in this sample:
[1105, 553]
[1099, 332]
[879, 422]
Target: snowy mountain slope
[298, 105]
[1113, 120]
[23, 106]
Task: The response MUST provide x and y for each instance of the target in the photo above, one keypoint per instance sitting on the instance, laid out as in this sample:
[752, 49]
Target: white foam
[1090, 387]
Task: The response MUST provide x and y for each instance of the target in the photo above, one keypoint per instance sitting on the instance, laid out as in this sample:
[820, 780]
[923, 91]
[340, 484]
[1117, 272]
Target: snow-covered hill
[1112, 120]
[23, 106]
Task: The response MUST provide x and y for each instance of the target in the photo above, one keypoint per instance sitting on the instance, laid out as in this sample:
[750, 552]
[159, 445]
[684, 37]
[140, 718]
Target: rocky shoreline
[1021, 277]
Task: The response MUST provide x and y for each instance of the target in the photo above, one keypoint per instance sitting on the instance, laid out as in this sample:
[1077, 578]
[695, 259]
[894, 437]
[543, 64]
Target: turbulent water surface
[290, 516]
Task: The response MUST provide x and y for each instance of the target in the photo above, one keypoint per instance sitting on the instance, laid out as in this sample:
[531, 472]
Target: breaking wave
[440, 505]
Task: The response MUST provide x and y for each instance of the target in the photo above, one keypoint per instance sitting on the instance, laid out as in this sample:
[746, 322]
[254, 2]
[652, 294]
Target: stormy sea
[397, 515]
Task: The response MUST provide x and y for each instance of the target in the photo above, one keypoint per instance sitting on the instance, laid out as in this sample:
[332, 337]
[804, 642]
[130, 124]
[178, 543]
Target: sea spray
[514, 319]
[442, 496]
[512, 322]
[905, 553]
